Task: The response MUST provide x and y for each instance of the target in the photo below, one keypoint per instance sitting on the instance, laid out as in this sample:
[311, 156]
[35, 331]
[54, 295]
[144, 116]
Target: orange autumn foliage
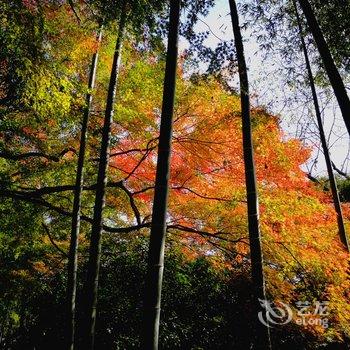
[301, 246]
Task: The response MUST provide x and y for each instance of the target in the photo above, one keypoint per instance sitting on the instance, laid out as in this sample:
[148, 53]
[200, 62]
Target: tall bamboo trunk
[75, 225]
[262, 336]
[153, 287]
[328, 62]
[332, 181]
[91, 285]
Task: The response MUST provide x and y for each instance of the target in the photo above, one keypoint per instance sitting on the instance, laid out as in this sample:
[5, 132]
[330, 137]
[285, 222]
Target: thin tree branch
[340, 172]
[53, 242]
[61, 211]
[72, 6]
[62, 188]
[215, 235]
[132, 203]
[11, 156]
[200, 195]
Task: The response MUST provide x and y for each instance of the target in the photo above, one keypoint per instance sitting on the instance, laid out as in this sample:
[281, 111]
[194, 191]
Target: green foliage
[344, 189]
[21, 37]
[334, 18]
[48, 95]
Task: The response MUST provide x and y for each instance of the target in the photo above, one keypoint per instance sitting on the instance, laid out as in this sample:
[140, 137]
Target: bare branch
[132, 203]
[53, 242]
[200, 195]
[11, 156]
[72, 6]
[61, 211]
[216, 235]
[340, 172]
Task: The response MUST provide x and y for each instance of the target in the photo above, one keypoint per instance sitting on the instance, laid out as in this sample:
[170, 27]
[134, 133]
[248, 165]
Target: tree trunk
[153, 287]
[91, 285]
[332, 181]
[328, 62]
[262, 336]
[75, 225]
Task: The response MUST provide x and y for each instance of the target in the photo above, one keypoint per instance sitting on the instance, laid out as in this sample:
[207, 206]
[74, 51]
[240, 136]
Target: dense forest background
[50, 52]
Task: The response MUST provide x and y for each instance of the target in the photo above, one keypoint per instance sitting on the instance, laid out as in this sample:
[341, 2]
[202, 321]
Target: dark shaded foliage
[203, 308]
[344, 189]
